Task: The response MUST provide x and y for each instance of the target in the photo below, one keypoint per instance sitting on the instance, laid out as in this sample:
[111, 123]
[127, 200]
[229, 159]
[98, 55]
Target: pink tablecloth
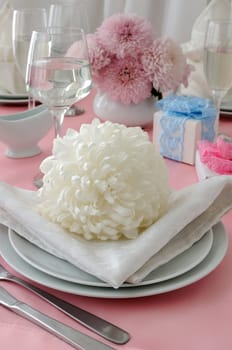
[195, 317]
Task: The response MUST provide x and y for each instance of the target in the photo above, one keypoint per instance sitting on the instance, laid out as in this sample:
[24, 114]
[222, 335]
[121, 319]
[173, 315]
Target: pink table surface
[198, 316]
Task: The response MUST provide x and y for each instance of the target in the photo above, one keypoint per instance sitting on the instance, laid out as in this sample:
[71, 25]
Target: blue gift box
[180, 122]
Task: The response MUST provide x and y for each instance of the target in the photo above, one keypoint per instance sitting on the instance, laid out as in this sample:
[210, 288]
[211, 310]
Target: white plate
[226, 112]
[226, 105]
[9, 101]
[215, 256]
[227, 101]
[13, 96]
[59, 268]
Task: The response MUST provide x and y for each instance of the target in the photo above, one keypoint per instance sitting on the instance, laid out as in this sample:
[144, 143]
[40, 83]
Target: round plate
[15, 101]
[215, 256]
[13, 96]
[59, 268]
[226, 112]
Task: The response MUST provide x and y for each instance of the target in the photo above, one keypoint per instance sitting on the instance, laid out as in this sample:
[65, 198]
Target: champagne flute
[69, 14]
[217, 61]
[25, 20]
[57, 75]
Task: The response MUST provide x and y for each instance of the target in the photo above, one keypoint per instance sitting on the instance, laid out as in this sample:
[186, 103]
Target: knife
[98, 325]
[68, 334]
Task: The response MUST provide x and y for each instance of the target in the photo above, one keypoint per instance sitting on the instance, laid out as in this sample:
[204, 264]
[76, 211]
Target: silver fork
[98, 325]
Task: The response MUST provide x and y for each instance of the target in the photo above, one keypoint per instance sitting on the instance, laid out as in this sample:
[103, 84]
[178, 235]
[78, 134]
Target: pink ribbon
[217, 156]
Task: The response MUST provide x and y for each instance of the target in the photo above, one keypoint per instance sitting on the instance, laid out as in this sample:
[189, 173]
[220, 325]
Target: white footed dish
[22, 131]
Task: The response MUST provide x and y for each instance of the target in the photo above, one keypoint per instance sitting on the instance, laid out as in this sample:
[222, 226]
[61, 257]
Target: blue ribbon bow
[187, 106]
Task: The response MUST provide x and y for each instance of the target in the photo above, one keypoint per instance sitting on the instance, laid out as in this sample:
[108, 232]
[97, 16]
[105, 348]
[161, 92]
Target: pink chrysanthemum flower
[156, 65]
[124, 34]
[98, 56]
[124, 81]
[165, 65]
[178, 62]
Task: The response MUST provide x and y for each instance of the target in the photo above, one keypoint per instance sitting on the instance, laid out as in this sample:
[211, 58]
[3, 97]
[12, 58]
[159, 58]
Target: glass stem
[217, 98]
[58, 118]
[31, 102]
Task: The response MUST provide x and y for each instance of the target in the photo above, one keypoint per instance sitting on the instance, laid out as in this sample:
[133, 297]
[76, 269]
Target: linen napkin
[216, 9]
[192, 212]
[10, 79]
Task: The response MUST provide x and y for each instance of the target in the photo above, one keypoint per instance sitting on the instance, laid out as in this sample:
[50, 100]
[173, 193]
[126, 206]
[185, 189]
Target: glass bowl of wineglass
[25, 20]
[57, 75]
[58, 70]
[69, 14]
[217, 60]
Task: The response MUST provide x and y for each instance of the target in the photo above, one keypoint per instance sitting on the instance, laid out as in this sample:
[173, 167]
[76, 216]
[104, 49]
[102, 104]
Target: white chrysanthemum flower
[105, 182]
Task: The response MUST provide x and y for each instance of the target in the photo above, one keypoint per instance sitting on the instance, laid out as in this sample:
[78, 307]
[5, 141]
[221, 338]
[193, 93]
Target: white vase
[140, 114]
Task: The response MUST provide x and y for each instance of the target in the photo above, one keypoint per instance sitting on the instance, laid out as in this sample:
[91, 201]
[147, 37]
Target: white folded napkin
[192, 212]
[10, 79]
[216, 9]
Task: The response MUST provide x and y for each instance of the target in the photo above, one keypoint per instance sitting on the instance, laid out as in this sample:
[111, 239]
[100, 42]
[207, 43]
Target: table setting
[49, 274]
[124, 238]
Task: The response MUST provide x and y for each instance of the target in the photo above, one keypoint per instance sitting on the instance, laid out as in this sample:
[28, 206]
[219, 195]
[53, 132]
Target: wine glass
[69, 14]
[217, 61]
[25, 20]
[57, 74]
[58, 71]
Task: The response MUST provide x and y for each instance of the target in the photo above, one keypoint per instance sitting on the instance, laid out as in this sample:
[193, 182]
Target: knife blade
[66, 333]
[96, 324]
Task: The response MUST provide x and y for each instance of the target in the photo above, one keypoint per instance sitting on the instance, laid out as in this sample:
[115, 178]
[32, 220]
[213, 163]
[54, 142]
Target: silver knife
[70, 335]
[98, 325]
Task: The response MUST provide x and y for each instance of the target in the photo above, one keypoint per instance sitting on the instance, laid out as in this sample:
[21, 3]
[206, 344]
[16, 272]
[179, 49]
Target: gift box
[179, 123]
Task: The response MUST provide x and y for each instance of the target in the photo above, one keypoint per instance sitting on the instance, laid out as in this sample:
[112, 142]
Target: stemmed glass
[58, 71]
[69, 14]
[217, 61]
[25, 20]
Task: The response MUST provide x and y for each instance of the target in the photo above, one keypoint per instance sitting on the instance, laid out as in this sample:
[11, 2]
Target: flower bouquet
[130, 64]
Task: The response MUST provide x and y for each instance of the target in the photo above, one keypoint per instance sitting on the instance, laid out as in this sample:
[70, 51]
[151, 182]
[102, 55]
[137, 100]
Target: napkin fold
[10, 79]
[192, 212]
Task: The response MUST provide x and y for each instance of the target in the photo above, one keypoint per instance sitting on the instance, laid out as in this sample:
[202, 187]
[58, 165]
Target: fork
[96, 324]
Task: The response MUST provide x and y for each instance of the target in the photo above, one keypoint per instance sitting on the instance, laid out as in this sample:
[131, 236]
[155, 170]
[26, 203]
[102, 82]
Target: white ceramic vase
[140, 114]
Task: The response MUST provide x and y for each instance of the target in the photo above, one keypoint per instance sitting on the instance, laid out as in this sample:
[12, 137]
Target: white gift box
[192, 134]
